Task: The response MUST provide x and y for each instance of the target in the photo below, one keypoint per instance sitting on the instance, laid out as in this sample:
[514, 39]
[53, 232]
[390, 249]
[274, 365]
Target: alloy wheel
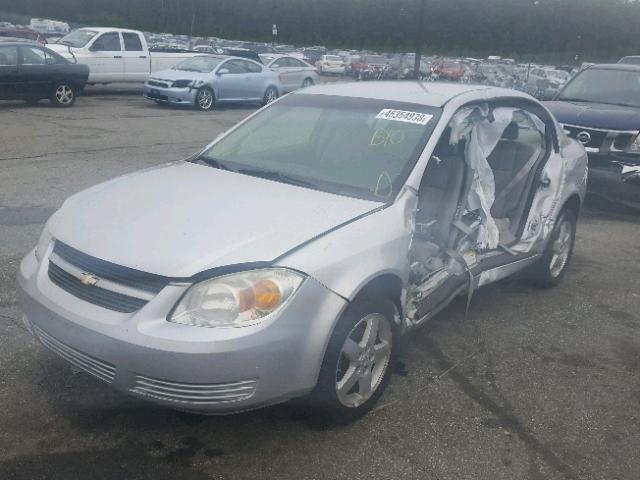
[561, 248]
[64, 95]
[363, 361]
[204, 99]
[270, 96]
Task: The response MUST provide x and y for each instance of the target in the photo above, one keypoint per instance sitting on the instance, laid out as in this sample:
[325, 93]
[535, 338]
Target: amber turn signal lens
[266, 295]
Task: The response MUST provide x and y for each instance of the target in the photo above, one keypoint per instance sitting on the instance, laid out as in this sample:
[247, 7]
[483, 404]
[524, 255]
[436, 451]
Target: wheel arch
[387, 284]
[573, 203]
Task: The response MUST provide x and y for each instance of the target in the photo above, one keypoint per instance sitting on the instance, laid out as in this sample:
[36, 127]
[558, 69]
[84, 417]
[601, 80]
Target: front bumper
[178, 96]
[605, 180]
[209, 370]
[333, 69]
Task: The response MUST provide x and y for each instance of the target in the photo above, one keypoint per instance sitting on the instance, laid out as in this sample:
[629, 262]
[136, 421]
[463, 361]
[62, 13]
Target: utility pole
[419, 40]
[274, 33]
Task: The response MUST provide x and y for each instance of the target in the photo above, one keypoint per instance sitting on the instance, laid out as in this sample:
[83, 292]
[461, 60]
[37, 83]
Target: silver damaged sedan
[285, 259]
[207, 80]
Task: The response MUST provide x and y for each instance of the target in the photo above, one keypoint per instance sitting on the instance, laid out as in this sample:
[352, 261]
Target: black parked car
[32, 72]
[600, 107]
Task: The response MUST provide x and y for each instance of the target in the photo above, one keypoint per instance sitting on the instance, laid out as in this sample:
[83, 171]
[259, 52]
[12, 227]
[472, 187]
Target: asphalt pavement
[530, 384]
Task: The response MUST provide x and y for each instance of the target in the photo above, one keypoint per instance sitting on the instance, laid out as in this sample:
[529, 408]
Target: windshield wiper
[213, 162]
[278, 176]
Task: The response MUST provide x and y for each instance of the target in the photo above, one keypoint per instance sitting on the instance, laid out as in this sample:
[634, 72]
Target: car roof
[433, 94]
[19, 41]
[614, 66]
[109, 29]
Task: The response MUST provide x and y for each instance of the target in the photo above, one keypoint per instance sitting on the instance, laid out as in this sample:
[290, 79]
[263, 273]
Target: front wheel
[63, 95]
[355, 369]
[551, 268]
[308, 82]
[270, 95]
[204, 99]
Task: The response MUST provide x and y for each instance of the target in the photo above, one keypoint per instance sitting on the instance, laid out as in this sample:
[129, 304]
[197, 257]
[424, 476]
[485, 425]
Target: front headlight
[236, 300]
[43, 243]
[186, 83]
[635, 145]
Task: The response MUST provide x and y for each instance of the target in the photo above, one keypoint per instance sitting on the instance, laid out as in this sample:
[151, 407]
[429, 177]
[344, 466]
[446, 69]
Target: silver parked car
[294, 73]
[285, 258]
[204, 81]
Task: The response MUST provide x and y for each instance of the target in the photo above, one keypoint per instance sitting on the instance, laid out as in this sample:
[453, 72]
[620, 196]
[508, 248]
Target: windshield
[616, 87]
[333, 58]
[79, 38]
[198, 64]
[349, 146]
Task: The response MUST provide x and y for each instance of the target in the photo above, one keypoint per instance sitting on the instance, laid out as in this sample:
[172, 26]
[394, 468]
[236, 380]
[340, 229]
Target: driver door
[104, 58]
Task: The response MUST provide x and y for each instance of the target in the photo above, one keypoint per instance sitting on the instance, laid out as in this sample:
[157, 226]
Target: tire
[204, 99]
[308, 82]
[353, 376]
[270, 94]
[63, 95]
[551, 268]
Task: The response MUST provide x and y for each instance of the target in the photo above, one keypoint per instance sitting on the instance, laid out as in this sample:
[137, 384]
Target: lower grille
[194, 393]
[99, 369]
[157, 96]
[93, 294]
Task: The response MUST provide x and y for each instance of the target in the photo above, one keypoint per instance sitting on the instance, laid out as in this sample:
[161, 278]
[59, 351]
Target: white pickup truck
[115, 54]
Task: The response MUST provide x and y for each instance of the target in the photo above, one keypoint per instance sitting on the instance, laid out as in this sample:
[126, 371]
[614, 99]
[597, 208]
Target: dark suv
[600, 107]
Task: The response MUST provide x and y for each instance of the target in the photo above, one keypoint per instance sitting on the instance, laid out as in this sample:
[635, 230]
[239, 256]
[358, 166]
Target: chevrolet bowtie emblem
[88, 279]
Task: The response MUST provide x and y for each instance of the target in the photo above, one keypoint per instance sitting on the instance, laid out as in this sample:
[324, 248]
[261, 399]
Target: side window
[8, 56]
[279, 63]
[253, 67]
[132, 42]
[235, 66]
[107, 42]
[33, 56]
[296, 63]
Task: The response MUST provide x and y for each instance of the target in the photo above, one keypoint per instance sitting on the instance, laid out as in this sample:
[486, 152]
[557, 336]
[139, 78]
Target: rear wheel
[270, 95]
[63, 95]
[308, 82]
[204, 99]
[550, 269]
[355, 369]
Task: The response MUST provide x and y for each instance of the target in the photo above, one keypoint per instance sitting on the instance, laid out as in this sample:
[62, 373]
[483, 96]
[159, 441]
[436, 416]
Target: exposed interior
[490, 154]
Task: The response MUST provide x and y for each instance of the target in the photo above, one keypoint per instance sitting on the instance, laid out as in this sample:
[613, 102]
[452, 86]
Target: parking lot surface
[530, 384]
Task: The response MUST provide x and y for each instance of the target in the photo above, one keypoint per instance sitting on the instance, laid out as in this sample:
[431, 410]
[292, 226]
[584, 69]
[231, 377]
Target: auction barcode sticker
[404, 116]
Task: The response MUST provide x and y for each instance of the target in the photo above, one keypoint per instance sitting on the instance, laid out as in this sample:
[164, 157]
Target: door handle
[142, 56]
[117, 56]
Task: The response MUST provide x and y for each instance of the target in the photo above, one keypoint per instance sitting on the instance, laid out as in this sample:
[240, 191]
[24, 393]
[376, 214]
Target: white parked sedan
[294, 73]
[331, 64]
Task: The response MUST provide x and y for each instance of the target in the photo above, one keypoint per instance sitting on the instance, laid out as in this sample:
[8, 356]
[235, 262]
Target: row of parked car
[32, 71]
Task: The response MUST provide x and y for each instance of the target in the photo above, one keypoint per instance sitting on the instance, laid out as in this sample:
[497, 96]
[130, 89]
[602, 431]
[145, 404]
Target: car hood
[183, 218]
[173, 75]
[596, 115]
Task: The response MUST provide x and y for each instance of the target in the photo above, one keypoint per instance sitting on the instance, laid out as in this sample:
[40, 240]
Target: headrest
[444, 148]
[512, 132]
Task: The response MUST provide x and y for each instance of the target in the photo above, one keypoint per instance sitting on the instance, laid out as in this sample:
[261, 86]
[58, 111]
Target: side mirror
[222, 71]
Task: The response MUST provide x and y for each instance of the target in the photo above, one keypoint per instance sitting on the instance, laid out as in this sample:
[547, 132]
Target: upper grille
[93, 294]
[194, 393]
[603, 141]
[155, 83]
[597, 136]
[98, 368]
[110, 271]
[117, 288]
